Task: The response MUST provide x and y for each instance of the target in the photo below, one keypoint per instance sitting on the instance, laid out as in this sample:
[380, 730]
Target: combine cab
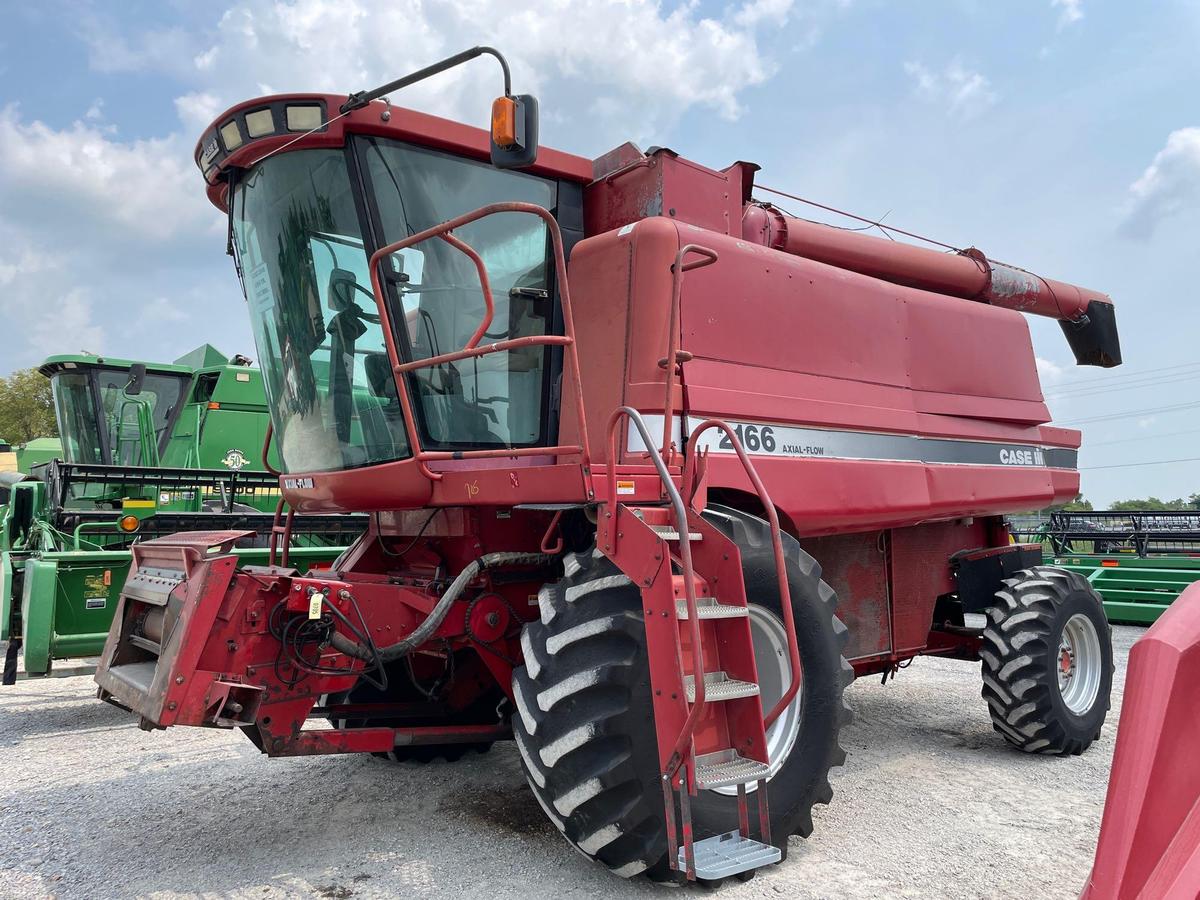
[147, 450]
[613, 508]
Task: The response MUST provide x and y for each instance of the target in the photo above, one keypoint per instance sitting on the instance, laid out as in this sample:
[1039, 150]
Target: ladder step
[729, 854]
[719, 686]
[671, 533]
[709, 608]
[726, 767]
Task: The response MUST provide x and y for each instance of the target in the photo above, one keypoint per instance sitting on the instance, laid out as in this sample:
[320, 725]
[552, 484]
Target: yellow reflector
[128, 523]
[231, 135]
[137, 504]
[214, 405]
[504, 122]
[259, 123]
[303, 118]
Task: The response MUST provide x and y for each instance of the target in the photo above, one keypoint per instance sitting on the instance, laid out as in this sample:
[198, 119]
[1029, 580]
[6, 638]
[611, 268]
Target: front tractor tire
[1047, 662]
[585, 724]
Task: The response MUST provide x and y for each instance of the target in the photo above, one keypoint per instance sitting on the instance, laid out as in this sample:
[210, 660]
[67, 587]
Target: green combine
[1139, 561]
[147, 450]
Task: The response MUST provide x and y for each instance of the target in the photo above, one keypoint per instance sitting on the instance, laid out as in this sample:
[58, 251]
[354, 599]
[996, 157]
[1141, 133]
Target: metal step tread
[671, 533]
[711, 608]
[728, 854]
[727, 767]
[719, 686]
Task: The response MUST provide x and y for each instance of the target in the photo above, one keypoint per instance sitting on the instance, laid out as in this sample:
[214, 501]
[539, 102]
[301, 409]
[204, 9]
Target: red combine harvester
[611, 509]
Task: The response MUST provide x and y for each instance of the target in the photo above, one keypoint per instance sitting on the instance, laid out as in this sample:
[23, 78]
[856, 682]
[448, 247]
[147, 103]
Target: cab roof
[245, 134]
[206, 356]
[63, 361]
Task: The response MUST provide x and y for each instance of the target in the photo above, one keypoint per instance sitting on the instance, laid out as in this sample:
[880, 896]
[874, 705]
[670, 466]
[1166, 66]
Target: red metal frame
[471, 350]
[785, 594]
[673, 357]
[683, 742]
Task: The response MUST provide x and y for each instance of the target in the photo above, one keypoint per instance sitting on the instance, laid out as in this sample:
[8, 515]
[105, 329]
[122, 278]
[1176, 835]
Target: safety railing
[675, 357]
[683, 743]
[785, 595]
[472, 348]
[279, 541]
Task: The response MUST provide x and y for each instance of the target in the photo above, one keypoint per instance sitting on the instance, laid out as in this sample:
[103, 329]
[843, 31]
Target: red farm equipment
[611, 509]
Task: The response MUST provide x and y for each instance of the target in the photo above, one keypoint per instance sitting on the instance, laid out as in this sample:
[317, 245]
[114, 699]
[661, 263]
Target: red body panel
[1150, 838]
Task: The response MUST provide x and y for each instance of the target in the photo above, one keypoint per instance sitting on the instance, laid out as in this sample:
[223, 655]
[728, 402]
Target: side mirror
[137, 377]
[342, 285]
[514, 131]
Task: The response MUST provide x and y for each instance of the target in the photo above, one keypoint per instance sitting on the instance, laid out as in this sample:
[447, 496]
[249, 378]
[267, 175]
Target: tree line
[1192, 501]
[26, 407]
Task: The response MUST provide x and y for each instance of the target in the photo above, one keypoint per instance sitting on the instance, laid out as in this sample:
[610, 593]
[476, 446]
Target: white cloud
[756, 11]
[145, 188]
[1048, 370]
[197, 110]
[163, 310]
[88, 225]
[567, 51]
[29, 262]
[111, 51]
[964, 93]
[1169, 186]
[70, 329]
[1072, 11]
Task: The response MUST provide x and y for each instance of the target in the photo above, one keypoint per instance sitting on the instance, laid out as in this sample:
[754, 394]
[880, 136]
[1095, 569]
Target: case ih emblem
[1022, 457]
[235, 459]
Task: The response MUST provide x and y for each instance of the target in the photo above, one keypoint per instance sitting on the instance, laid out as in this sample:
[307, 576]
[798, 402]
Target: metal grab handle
[785, 594]
[567, 341]
[275, 553]
[267, 448]
[708, 257]
[683, 744]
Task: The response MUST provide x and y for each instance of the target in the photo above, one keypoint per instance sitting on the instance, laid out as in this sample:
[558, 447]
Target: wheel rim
[769, 636]
[1079, 664]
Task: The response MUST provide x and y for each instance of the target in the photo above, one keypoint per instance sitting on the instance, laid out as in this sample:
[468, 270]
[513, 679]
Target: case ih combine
[611, 508]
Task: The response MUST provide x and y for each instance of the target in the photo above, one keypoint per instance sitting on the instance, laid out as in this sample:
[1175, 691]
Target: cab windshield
[303, 243]
[101, 421]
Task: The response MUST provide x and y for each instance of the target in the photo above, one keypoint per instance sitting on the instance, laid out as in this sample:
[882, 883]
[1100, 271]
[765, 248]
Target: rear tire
[1047, 662]
[585, 724]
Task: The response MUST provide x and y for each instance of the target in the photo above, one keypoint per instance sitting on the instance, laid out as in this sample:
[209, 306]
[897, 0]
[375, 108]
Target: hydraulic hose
[425, 630]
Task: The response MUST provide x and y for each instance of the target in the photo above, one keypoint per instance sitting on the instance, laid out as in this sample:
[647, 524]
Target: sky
[1059, 135]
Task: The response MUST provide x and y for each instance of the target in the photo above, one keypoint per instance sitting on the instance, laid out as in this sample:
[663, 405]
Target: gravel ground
[932, 803]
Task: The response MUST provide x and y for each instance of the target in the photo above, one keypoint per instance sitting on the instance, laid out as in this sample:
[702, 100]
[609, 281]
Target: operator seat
[382, 419]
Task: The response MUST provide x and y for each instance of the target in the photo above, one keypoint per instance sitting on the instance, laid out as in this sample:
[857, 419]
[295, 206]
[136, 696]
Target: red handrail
[677, 270]
[267, 448]
[472, 349]
[489, 306]
[785, 595]
[684, 742]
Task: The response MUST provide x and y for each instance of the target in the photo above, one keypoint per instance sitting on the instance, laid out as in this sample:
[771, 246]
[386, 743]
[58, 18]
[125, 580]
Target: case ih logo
[235, 459]
[1022, 456]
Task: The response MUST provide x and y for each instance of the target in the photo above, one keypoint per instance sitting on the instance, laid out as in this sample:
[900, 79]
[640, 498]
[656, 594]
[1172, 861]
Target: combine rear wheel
[585, 722]
[1047, 662]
